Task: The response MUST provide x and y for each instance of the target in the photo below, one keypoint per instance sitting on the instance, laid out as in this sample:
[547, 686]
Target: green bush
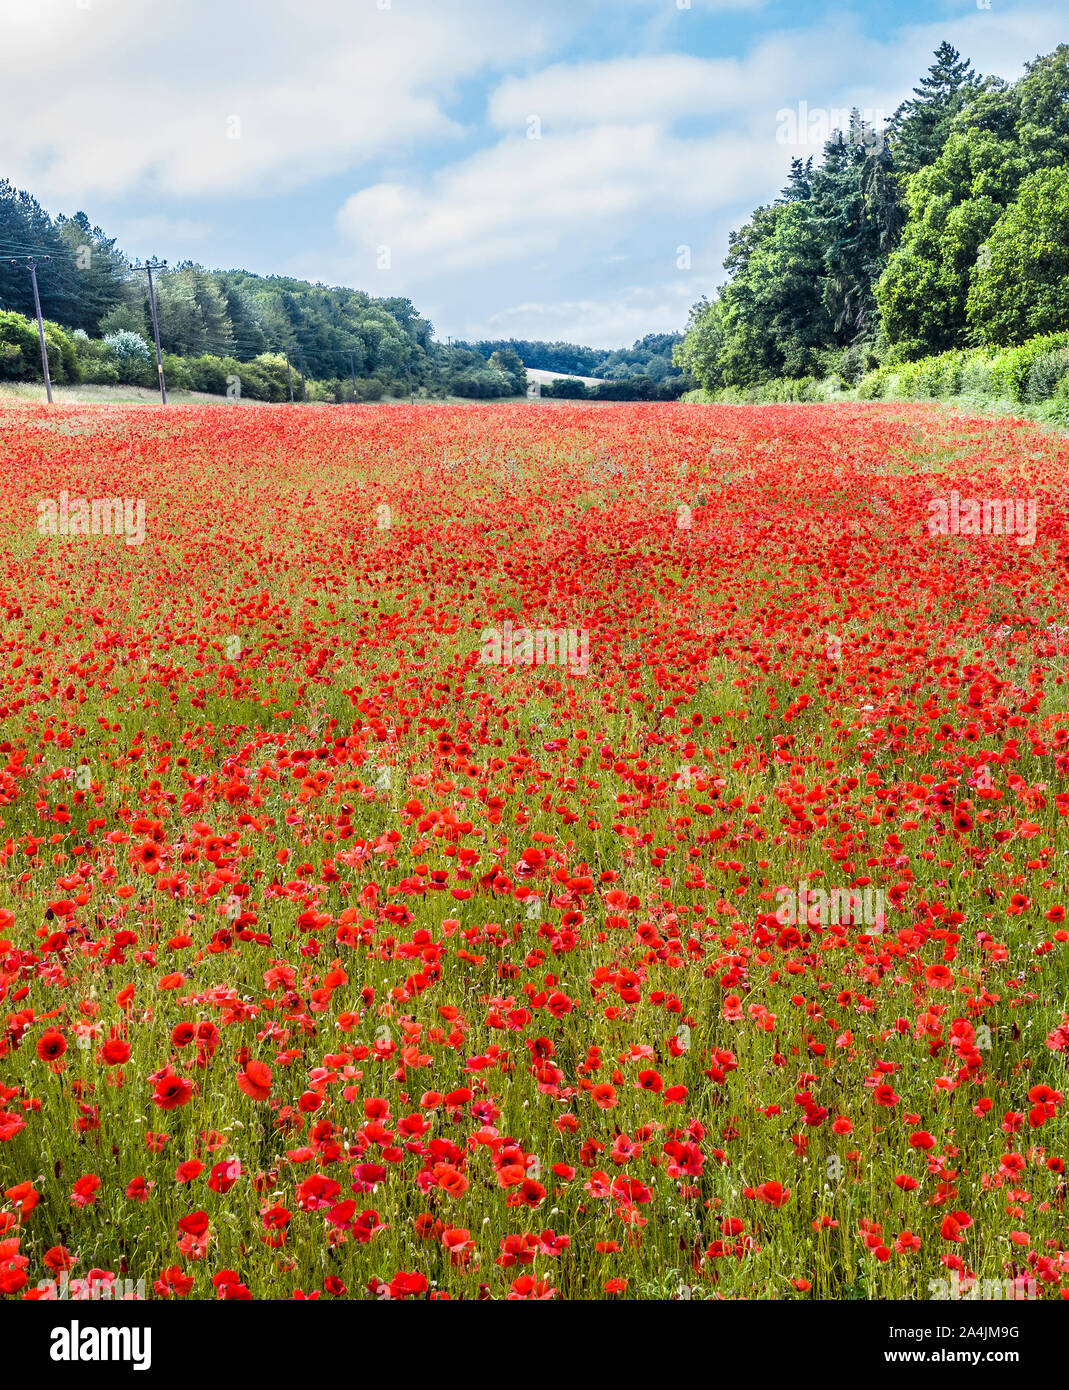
[874, 386]
[1047, 374]
[853, 362]
[1013, 366]
[176, 373]
[100, 372]
[370, 389]
[976, 377]
[207, 374]
[96, 363]
[271, 381]
[1031, 372]
[20, 351]
[62, 358]
[243, 381]
[782, 390]
[133, 358]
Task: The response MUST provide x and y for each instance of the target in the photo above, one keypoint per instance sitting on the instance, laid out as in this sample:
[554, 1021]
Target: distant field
[544, 378]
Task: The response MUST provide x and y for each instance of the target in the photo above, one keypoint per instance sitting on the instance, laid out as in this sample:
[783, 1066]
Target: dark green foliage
[635, 388]
[918, 130]
[951, 231]
[508, 362]
[566, 358]
[461, 372]
[20, 351]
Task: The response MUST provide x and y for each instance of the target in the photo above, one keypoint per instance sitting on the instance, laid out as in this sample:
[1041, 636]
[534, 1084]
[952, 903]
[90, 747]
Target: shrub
[20, 350]
[1047, 374]
[873, 387]
[100, 372]
[853, 362]
[565, 388]
[207, 374]
[370, 389]
[133, 358]
[176, 373]
[62, 357]
[976, 377]
[271, 367]
[1013, 366]
[20, 353]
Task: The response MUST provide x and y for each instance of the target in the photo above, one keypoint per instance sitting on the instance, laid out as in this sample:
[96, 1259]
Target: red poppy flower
[51, 1045]
[172, 1092]
[255, 1080]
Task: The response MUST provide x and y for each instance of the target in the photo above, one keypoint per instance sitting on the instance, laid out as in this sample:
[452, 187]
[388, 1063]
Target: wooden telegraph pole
[31, 266]
[150, 266]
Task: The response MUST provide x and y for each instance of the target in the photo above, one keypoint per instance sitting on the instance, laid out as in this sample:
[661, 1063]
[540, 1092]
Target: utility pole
[289, 376]
[352, 365]
[150, 266]
[31, 266]
[304, 387]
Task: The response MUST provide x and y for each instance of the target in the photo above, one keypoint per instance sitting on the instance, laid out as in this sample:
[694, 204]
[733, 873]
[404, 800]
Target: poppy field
[532, 852]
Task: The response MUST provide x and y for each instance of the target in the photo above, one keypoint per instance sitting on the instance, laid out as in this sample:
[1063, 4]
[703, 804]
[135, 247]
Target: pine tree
[27, 230]
[918, 130]
[799, 184]
[99, 270]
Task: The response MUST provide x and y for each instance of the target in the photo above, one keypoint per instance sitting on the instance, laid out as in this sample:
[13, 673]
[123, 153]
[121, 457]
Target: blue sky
[530, 168]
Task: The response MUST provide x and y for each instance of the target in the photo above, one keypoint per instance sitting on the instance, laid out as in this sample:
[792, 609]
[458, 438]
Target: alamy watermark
[846, 907]
[805, 125]
[992, 516]
[1009, 1290]
[106, 1288]
[102, 516]
[77, 1343]
[540, 646]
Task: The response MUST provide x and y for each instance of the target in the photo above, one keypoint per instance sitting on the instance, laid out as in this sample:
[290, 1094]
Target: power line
[33, 248]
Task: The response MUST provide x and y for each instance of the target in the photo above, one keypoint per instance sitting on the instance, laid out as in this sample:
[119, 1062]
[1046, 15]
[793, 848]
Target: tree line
[649, 357]
[87, 287]
[268, 334]
[944, 229]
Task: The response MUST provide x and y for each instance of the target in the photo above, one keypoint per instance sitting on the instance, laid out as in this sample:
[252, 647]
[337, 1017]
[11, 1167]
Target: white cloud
[659, 87]
[635, 155]
[142, 99]
[609, 322]
[570, 195]
[804, 63]
[134, 232]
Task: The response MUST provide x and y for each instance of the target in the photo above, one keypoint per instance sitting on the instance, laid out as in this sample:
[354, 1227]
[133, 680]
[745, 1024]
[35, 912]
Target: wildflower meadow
[533, 852]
